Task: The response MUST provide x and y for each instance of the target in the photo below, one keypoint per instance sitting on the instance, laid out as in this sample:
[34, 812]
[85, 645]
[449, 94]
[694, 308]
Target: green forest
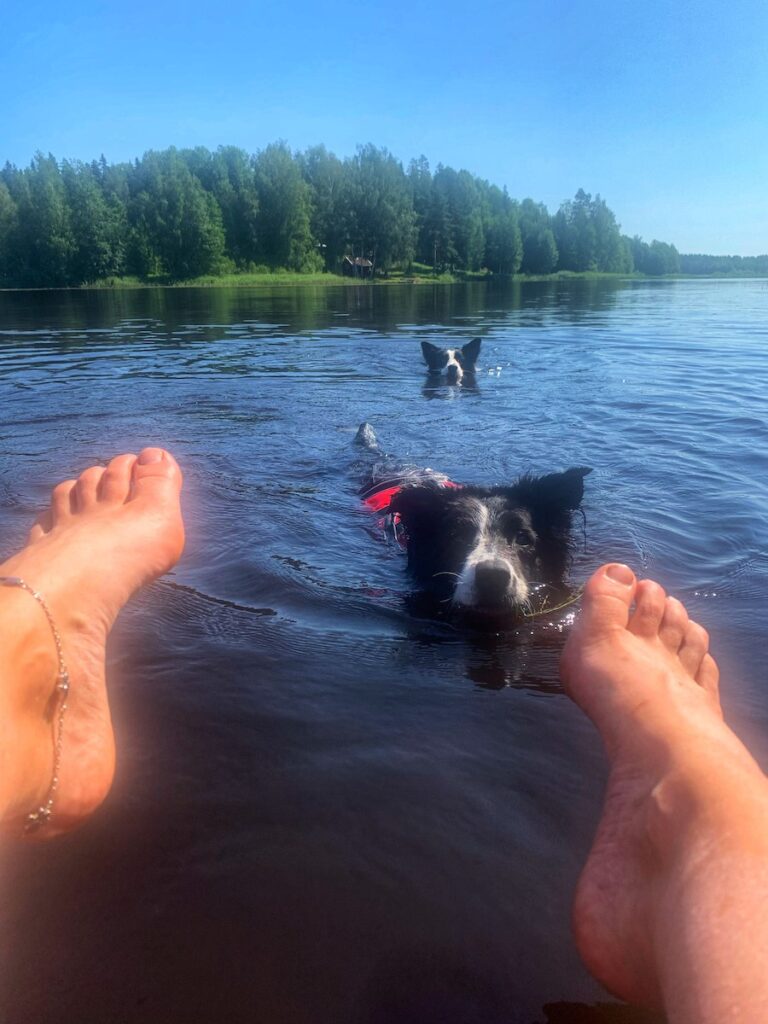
[182, 213]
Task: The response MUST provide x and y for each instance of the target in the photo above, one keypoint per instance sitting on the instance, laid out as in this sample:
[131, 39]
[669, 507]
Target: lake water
[326, 810]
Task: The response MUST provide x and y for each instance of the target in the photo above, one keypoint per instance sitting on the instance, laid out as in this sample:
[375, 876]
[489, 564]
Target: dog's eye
[524, 539]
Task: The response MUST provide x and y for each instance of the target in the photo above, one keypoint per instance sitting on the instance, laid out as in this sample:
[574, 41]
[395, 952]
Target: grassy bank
[418, 275]
[221, 281]
[286, 277]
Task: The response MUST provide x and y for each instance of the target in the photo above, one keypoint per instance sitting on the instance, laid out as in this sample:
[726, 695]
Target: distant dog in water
[454, 362]
[494, 552]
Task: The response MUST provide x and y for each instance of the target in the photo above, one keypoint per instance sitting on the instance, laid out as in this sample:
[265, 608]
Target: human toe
[607, 599]
[61, 501]
[605, 606]
[650, 603]
[36, 533]
[116, 482]
[156, 483]
[156, 475]
[42, 525]
[708, 677]
[86, 490]
[674, 622]
[694, 646]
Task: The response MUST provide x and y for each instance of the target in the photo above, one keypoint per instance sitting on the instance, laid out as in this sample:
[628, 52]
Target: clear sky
[661, 106]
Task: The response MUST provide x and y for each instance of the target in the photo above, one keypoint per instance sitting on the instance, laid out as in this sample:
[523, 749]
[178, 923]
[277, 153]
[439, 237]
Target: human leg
[672, 906]
[105, 535]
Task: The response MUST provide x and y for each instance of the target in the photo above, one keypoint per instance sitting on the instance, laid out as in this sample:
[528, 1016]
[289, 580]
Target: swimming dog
[493, 552]
[455, 361]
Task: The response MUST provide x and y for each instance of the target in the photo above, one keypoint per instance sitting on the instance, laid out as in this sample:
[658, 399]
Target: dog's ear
[557, 492]
[435, 358]
[415, 504]
[470, 352]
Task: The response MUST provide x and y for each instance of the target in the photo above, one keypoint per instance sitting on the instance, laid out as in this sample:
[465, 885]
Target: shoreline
[328, 280]
[324, 280]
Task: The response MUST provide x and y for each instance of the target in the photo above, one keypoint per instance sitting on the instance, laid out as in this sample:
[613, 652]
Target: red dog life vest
[378, 497]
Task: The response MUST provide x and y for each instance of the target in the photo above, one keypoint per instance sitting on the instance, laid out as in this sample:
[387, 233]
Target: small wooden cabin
[357, 266]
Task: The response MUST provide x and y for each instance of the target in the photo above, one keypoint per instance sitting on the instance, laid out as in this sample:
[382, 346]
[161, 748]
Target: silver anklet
[57, 704]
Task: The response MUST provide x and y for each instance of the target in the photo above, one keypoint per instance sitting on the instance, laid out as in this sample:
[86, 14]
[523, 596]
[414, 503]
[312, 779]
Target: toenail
[620, 574]
[150, 455]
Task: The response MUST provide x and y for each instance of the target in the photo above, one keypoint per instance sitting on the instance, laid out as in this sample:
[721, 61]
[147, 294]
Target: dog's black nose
[492, 579]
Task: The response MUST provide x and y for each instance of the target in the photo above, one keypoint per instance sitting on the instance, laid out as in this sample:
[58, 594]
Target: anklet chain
[36, 819]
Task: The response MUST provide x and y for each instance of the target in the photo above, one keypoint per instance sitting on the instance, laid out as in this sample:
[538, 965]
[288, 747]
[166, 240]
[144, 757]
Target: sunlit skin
[103, 536]
[672, 906]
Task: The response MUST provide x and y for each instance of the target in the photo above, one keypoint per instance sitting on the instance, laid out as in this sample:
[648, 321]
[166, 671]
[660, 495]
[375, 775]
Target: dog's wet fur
[453, 362]
[492, 552]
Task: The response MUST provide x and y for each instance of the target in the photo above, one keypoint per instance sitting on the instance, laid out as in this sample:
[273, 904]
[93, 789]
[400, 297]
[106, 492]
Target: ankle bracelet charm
[57, 705]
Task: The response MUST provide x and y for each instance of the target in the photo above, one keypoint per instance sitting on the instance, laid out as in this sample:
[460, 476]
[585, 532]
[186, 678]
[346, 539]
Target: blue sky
[660, 106]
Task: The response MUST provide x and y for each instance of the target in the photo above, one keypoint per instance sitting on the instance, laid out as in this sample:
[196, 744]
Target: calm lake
[328, 811]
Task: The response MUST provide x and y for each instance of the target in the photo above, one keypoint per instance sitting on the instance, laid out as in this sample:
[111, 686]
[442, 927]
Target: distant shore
[291, 279]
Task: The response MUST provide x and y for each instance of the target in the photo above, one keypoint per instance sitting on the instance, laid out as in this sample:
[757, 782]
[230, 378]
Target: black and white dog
[494, 552]
[455, 362]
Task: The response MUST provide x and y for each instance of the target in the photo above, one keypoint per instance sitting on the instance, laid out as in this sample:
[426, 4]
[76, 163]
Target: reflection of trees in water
[571, 298]
[287, 309]
[342, 331]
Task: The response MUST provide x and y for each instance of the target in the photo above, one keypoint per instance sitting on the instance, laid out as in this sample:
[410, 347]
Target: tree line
[741, 266]
[181, 213]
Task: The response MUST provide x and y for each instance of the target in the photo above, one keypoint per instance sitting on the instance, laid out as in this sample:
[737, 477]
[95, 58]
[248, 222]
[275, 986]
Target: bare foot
[640, 668]
[105, 535]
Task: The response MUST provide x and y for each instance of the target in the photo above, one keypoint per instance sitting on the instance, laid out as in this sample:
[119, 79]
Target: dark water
[327, 810]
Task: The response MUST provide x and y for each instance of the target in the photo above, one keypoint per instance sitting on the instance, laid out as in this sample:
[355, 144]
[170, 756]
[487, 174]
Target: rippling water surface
[328, 811]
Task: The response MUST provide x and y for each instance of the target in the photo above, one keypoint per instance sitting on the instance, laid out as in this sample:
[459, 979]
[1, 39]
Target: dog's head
[490, 550]
[455, 361]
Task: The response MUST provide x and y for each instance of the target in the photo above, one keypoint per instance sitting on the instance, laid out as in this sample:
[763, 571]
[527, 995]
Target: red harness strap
[378, 498]
[381, 499]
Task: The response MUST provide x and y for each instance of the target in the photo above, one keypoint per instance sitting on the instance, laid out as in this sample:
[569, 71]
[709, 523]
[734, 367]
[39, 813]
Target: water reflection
[528, 661]
[436, 386]
[522, 657]
[178, 315]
